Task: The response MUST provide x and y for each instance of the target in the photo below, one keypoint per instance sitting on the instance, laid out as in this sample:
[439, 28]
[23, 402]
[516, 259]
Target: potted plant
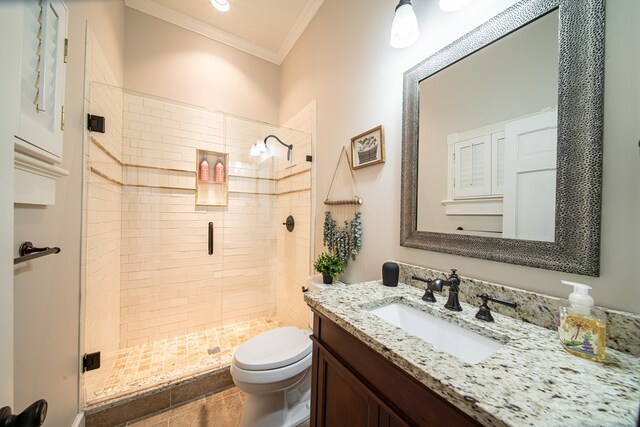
[330, 265]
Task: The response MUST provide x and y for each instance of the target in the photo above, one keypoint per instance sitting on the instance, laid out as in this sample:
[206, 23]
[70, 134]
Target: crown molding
[172, 16]
[159, 11]
[298, 28]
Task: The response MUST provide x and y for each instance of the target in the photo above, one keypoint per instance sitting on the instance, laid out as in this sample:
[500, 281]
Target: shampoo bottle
[218, 173]
[581, 326]
[204, 169]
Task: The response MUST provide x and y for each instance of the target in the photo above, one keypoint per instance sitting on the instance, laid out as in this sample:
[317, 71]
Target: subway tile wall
[149, 276]
[170, 286]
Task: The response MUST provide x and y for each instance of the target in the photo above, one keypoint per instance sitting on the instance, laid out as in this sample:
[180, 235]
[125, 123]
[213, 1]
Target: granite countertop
[530, 381]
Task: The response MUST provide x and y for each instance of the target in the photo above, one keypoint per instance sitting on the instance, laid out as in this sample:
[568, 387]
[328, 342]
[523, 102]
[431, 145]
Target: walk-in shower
[164, 298]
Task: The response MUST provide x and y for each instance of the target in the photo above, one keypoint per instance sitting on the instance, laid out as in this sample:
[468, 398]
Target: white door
[9, 110]
[530, 177]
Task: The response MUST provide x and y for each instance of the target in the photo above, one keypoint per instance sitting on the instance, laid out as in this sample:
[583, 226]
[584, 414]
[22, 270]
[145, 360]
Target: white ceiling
[267, 29]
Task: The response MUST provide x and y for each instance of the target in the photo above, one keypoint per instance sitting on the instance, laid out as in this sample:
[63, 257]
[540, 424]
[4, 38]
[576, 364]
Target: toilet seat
[270, 376]
[273, 349]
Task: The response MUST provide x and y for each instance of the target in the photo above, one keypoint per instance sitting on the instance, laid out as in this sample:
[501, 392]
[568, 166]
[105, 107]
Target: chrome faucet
[453, 281]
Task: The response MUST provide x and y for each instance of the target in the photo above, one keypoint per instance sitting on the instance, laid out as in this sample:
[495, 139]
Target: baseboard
[79, 421]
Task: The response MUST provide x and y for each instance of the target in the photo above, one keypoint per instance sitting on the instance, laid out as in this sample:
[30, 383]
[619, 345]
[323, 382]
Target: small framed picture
[367, 148]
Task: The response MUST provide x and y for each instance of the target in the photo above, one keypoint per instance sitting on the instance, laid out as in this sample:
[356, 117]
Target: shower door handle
[210, 238]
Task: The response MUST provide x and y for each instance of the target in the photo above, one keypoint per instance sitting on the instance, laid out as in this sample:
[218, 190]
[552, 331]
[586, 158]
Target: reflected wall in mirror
[487, 124]
[511, 154]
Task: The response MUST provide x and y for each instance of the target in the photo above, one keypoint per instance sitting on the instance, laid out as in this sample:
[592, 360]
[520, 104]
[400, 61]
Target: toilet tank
[314, 284]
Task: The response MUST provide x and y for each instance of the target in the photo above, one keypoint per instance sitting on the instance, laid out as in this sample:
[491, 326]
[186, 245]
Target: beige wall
[164, 60]
[357, 80]
[47, 291]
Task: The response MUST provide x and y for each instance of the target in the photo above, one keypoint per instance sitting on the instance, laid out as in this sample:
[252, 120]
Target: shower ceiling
[267, 29]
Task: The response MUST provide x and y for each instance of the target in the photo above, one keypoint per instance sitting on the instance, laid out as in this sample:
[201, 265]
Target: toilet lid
[273, 349]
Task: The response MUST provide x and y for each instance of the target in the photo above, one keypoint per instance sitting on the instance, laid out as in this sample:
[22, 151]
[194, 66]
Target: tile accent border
[623, 328]
[159, 168]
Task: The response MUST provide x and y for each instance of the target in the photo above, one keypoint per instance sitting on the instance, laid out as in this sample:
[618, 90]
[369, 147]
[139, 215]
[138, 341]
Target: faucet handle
[453, 281]
[428, 291]
[484, 313]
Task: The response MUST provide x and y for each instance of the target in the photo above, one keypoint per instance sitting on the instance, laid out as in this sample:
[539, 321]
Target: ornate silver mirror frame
[579, 157]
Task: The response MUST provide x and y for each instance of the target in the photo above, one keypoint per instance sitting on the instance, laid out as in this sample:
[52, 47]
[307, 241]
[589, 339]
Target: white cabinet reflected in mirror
[487, 140]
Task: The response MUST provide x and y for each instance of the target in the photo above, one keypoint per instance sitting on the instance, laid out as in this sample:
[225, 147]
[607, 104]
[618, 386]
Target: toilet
[274, 369]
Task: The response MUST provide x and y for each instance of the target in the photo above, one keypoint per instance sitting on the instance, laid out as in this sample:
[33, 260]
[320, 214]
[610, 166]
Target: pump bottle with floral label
[581, 326]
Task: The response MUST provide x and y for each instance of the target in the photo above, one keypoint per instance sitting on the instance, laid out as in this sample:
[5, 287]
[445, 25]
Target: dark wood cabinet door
[342, 400]
[387, 418]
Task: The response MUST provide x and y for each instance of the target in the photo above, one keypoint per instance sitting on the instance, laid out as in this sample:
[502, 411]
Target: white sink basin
[466, 345]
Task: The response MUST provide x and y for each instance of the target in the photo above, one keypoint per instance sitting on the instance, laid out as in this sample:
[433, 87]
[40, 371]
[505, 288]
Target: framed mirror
[502, 140]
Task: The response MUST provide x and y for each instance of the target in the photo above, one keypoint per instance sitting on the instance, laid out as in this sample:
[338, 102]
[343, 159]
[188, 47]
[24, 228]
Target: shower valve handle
[290, 223]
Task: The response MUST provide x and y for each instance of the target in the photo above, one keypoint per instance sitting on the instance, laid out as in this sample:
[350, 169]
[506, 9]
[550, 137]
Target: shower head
[261, 147]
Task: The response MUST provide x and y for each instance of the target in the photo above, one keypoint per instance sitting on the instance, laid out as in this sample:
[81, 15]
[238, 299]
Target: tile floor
[131, 370]
[222, 409]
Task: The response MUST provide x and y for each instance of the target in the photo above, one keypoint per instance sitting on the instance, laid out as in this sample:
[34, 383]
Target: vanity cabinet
[354, 386]
[347, 401]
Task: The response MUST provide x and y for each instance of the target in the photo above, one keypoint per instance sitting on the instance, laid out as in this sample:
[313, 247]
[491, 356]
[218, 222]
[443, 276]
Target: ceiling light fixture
[404, 29]
[221, 5]
[453, 5]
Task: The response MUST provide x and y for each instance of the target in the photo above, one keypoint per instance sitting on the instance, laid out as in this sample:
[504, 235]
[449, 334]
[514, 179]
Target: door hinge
[96, 124]
[90, 361]
[62, 118]
[66, 50]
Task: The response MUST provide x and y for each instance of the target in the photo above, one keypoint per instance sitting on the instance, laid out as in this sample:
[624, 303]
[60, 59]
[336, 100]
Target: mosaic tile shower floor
[131, 370]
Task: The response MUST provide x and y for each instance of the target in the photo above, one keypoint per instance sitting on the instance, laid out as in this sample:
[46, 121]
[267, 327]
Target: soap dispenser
[581, 326]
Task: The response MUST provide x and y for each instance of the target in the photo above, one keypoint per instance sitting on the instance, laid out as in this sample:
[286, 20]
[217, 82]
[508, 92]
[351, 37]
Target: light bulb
[404, 30]
[221, 5]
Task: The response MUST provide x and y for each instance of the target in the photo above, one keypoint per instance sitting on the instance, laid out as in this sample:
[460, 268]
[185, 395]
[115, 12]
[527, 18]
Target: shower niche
[211, 178]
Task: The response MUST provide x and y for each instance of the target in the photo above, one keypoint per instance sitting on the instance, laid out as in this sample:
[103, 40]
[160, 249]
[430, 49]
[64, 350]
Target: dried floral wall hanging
[344, 240]
[342, 230]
